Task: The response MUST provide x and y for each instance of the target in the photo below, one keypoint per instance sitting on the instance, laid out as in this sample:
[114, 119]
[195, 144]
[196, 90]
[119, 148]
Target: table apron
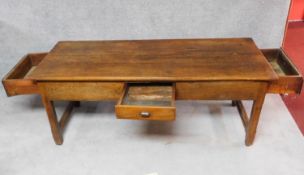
[205, 90]
[78, 91]
[220, 90]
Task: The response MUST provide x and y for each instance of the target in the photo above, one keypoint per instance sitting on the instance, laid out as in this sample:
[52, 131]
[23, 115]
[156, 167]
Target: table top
[155, 60]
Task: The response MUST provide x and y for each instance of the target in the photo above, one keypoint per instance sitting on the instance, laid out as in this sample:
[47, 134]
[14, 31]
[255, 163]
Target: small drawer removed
[147, 101]
[290, 80]
[15, 82]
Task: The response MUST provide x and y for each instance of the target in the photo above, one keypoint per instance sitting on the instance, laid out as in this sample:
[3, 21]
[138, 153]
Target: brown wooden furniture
[147, 76]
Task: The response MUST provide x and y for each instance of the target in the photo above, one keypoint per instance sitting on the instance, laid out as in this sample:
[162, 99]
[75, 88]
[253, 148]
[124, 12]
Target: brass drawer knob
[145, 114]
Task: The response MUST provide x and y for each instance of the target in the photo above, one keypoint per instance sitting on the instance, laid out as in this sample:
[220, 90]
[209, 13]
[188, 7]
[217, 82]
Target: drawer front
[89, 91]
[290, 80]
[286, 85]
[219, 90]
[145, 112]
[147, 102]
[15, 82]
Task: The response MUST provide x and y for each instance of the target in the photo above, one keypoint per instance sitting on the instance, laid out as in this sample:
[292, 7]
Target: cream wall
[36, 25]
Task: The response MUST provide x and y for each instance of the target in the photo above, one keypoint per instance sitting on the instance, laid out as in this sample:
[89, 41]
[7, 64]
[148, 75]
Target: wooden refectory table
[147, 76]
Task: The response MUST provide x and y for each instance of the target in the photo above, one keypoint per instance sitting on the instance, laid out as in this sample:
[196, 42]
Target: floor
[206, 138]
[294, 47]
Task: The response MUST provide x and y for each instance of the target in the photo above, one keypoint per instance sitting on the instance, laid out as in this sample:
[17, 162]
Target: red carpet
[294, 47]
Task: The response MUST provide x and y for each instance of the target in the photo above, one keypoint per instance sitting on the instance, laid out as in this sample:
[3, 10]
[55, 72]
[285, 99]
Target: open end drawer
[15, 82]
[147, 101]
[290, 80]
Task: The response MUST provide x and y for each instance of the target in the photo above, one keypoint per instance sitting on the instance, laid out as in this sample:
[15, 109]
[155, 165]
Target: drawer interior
[16, 82]
[280, 62]
[290, 80]
[146, 94]
[26, 65]
[149, 101]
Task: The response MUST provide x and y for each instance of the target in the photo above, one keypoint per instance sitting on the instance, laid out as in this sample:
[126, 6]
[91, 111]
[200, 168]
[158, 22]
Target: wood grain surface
[154, 60]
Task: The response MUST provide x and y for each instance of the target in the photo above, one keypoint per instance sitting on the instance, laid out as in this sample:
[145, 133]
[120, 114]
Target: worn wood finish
[155, 60]
[157, 101]
[90, 91]
[219, 90]
[290, 80]
[15, 83]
